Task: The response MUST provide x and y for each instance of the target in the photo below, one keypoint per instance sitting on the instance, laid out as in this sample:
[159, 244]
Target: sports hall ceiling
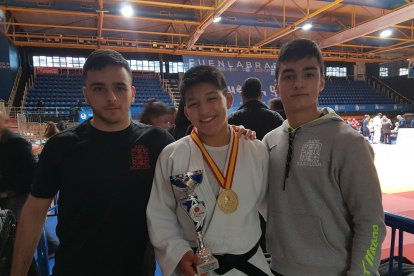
[347, 30]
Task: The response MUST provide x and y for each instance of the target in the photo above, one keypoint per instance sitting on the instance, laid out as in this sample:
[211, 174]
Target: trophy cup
[184, 185]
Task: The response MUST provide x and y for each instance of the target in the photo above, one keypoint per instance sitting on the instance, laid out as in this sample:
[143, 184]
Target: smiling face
[299, 84]
[110, 93]
[206, 108]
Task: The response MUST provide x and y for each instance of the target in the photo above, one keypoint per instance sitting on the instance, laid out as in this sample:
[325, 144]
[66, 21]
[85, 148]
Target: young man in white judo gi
[233, 186]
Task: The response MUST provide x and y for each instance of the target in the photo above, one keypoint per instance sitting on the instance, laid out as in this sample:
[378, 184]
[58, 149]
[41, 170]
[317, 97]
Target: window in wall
[383, 72]
[403, 72]
[69, 62]
[42, 61]
[145, 65]
[36, 61]
[336, 71]
[56, 61]
[157, 67]
[176, 67]
[133, 64]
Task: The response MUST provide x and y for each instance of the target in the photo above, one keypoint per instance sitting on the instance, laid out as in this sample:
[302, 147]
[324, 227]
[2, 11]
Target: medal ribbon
[224, 181]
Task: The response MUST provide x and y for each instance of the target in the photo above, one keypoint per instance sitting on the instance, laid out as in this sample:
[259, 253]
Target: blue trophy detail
[185, 183]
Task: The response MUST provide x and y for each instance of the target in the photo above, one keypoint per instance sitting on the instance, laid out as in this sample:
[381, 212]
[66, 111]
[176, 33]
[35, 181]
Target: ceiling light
[127, 11]
[307, 26]
[386, 33]
[217, 19]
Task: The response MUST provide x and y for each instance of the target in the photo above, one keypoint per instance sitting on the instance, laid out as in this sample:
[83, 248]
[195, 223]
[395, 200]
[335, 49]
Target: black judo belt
[228, 262]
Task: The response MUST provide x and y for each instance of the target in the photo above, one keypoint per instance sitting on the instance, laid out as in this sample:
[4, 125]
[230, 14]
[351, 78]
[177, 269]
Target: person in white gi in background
[236, 231]
[377, 128]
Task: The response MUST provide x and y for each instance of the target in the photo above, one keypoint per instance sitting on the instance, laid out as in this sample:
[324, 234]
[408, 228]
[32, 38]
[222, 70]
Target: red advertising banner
[47, 70]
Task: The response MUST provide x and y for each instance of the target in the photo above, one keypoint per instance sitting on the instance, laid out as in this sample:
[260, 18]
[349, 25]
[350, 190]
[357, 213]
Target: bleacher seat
[342, 91]
[64, 90]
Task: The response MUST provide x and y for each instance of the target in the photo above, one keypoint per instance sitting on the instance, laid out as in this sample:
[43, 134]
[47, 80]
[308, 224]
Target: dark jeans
[14, 203]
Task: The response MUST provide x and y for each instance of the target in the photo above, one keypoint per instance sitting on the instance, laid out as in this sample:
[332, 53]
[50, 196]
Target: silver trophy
[184, 185]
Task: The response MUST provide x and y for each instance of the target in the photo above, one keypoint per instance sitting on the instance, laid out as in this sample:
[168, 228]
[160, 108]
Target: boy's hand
[248, 134]
[187, 264]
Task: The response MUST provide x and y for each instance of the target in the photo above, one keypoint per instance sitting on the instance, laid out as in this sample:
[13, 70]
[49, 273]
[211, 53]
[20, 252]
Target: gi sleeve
[163, 227]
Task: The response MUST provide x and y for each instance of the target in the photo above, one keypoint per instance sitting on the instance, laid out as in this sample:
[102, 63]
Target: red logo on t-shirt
[140, 158]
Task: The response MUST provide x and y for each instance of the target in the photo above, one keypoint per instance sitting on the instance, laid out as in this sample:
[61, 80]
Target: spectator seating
[342, 91]
[62, 91]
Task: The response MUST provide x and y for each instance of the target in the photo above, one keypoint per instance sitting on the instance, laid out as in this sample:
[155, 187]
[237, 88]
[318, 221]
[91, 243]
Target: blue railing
[402, 224]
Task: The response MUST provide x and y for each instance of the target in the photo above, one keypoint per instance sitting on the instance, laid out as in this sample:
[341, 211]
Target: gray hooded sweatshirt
[326, 218]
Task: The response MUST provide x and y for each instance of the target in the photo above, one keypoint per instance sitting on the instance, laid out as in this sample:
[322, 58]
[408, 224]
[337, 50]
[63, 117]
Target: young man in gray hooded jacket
[325, 211]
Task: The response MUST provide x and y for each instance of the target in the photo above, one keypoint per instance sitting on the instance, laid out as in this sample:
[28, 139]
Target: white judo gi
[172, 232]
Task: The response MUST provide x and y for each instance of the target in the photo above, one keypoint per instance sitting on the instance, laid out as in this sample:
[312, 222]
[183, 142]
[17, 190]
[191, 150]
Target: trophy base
[207, 266]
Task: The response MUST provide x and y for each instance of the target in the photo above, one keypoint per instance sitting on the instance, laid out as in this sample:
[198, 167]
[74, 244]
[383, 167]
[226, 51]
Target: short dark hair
[275, 104]
[99, 59]
[153, 109]
[252, 88]
[299, 49]
[202, 74]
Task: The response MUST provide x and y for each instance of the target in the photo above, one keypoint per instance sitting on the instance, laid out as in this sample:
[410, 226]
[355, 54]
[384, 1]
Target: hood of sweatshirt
[327, 115]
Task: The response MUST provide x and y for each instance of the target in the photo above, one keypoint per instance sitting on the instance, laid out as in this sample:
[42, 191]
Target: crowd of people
[319, 201]
[380, 128]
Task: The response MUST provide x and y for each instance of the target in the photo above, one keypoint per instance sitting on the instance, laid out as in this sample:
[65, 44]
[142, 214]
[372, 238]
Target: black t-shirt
[256, 116]
[104, 181]
[17, 163]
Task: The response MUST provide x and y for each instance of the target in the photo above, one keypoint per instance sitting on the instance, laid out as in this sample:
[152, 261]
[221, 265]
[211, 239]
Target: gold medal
[228, 201]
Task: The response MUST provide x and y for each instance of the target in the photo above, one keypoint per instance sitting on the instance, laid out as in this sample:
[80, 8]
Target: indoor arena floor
[395, 168]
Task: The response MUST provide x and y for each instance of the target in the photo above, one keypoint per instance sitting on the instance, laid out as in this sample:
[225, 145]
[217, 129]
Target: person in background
[182, 125]
[275, 104]
[386, 129]
[40, 106]
[365, 128]
[74, 111]
[156, 113]
[412, 123]
[63, 124]
[325, 215]
[401, 121]
[17, 166]
[103, 170]
[50, 130]
[253, 114]
[377, 124]
[173, 115]
[395, 130]
[355, 124]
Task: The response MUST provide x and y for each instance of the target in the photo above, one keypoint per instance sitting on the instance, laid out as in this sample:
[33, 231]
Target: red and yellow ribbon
[224, 181]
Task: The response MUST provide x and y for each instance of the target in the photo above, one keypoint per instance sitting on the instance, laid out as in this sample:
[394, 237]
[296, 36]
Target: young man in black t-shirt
[103, 170]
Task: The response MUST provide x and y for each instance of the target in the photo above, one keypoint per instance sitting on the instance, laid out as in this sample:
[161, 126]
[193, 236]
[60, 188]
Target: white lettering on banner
[231, 89]
[239, 89]
[4, 65]
[272, 90]
[235, 65]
